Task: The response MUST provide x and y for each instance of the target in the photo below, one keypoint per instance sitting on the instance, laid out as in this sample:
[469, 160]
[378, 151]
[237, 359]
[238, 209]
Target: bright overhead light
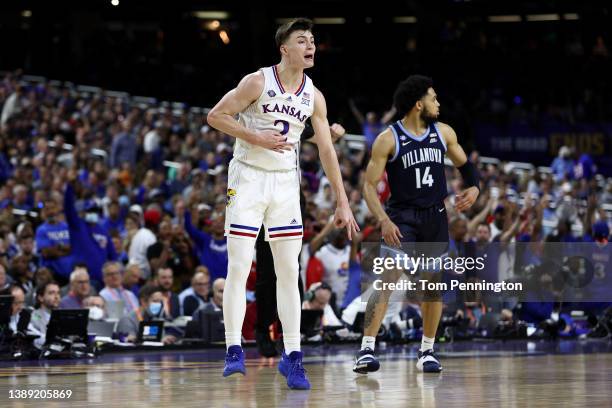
[26, 13]
[211, 15]
[505, 19]
[571, 16]
[329, 20]
[213, 25]
[115, 2]
[542, 17]
[405, 19]
[224, 37]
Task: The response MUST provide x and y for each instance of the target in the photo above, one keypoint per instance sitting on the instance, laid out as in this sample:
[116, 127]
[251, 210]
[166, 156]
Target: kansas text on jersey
[279, 110]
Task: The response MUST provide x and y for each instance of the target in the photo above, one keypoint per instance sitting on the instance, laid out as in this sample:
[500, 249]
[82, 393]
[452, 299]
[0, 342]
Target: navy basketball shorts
[424, 232]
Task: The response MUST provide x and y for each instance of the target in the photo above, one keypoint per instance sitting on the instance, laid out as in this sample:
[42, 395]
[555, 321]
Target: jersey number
[285, 126]
[427, 178]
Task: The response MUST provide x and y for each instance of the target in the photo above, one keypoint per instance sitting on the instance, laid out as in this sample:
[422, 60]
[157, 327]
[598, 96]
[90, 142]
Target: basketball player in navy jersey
[272, 105]
[412, 152]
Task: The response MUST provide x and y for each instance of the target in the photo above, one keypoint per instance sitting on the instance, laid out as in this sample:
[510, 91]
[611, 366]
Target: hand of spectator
[390, 233]
[492, 202]
[465, 199]
[131, 338]
[169, 339]
[271, 139]
[195, 215]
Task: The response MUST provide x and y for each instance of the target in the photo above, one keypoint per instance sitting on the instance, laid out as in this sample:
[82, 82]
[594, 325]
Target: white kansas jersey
[276, 109]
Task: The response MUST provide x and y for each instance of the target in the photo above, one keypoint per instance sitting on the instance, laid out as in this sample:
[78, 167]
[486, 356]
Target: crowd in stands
[106, 201]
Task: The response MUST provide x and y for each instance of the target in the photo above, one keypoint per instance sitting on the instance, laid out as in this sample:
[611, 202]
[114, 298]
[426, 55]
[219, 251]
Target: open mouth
[309, 57]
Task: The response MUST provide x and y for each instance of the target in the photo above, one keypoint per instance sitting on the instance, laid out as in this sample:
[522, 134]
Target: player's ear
[419, 105]
[283, 49]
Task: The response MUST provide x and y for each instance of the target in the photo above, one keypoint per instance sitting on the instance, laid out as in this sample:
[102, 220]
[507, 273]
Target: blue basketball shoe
[366, 362]
[234, 361]
[428, 362]
[290, 366]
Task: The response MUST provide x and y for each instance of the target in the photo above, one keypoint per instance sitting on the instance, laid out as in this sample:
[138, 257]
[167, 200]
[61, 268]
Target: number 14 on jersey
[427, 178]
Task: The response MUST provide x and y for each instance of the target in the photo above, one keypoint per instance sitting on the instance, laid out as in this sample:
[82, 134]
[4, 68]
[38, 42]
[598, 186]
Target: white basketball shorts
[256, 196]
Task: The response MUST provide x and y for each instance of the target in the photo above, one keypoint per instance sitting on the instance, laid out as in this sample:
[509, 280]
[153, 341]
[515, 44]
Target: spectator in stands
[89, 242]
[48, 299]
[20, 198]
[190, 290]
[80, 288]
[563, 165]
[26, 248]
[115, 220]
[13, 105]
[21, 274]
[371, 126]
[164, 280]
[182, 257]
[151, 308]
[124, 147]
[114, 291]
[457, 234]
[200, 285]
[5, 283]
[122, 256]
[53, 241]
[17, 306]
[216, 303]
[212, 248]
[317, 298]
[144, 238]
[41, 277]
[132, 276]
[335, 257]
[96, 306]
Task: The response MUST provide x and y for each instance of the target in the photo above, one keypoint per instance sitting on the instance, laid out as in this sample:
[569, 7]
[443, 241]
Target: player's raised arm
[222, 115]
[343, 217]
[381, 150]
[455, 152]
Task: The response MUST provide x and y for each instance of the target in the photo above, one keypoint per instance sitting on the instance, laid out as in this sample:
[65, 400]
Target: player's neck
[414, 124]
[290, 76]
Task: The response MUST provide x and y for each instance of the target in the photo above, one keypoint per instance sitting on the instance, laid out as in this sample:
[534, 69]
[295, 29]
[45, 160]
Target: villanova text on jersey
[416, 169]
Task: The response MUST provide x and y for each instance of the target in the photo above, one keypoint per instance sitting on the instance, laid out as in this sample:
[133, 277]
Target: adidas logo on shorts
[293, 222]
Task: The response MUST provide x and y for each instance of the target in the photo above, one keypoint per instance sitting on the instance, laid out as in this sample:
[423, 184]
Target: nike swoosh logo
[404, 144]
[441, 209]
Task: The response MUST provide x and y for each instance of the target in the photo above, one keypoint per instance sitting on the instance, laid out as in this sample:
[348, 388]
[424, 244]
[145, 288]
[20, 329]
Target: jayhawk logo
[230, 194]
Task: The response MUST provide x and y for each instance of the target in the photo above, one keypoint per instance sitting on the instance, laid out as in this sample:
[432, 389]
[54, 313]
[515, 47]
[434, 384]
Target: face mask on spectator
[96, 313]
[92, 218]
[155, 308]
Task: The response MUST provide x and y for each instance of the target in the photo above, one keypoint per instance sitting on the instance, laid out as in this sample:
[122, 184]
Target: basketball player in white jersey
[263, 186]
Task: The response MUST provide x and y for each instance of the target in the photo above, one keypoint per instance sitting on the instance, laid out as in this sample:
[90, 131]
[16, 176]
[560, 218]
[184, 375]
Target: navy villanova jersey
[416, 170]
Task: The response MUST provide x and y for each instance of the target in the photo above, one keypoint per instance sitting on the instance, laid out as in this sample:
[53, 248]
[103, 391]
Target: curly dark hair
[409, 91]
[297, 24]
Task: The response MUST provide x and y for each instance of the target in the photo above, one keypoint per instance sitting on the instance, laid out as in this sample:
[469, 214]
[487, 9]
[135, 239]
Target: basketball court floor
[476, 374]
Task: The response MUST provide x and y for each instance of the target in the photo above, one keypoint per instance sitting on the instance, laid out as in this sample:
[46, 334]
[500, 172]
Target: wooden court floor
[502, 380]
